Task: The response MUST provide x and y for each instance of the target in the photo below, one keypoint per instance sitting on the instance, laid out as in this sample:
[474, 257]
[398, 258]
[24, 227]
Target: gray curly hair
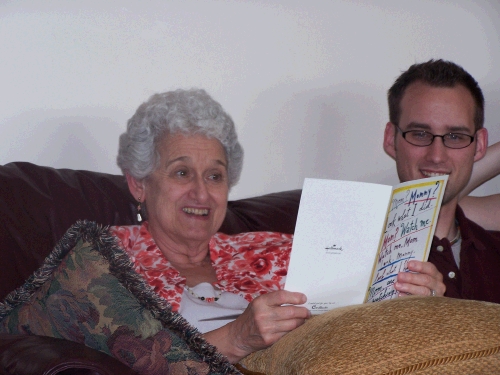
[181, 111]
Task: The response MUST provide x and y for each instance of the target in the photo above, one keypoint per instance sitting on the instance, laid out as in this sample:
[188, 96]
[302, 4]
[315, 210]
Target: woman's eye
[216, 177]
[181, 173]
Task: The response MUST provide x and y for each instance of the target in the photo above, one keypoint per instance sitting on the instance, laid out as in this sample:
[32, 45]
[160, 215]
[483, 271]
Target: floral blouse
[247, 264]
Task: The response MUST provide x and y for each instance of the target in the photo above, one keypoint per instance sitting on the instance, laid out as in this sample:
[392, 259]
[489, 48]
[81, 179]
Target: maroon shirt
[479, 275]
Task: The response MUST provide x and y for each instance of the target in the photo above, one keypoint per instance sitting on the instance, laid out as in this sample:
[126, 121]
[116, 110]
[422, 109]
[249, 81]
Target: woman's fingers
[269, 317]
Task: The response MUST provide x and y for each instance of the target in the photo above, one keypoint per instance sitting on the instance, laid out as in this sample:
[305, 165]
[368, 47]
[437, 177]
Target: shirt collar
[466, 231]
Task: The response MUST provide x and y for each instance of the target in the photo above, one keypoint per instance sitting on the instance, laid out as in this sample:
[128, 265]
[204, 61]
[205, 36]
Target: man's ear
[481, 143]
[390, 140]
[136, 187]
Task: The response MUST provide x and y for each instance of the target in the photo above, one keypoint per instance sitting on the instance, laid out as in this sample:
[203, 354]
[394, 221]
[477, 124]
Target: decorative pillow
[87, 291]
[412, 335]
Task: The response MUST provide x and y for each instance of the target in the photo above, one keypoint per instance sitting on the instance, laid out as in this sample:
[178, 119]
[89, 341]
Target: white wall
[305, 81]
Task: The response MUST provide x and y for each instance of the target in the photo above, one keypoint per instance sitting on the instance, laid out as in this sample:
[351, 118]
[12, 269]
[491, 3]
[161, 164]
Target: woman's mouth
[196, 211]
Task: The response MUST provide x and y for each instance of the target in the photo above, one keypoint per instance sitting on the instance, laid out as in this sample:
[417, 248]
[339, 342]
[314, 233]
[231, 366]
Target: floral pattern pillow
[87, 291]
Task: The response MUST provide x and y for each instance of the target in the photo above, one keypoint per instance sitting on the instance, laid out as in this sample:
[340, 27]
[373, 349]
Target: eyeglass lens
[451, 140]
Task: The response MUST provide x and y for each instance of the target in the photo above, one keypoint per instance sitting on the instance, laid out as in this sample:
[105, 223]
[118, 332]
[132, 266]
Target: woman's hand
[263, 323]
[424, 280]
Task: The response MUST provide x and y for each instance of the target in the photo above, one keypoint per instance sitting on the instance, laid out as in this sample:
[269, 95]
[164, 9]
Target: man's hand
[423, 280]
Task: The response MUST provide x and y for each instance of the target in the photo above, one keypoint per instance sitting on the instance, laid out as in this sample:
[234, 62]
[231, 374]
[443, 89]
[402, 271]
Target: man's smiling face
[437, 110]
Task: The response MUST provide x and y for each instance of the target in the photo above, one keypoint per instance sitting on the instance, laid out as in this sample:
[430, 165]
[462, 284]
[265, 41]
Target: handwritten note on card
[341, 225]
[336, 237]
[409, 228]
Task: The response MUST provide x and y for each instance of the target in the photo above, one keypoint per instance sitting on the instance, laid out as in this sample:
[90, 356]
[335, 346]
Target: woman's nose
[199, 189]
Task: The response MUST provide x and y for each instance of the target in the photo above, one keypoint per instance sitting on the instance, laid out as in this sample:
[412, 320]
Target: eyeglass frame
[403, 134]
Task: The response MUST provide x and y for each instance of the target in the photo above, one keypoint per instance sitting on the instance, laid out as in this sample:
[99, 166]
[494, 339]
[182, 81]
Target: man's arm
[484, 169]
[485, 211]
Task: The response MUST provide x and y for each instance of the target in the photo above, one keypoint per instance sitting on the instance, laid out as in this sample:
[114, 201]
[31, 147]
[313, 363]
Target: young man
[436, 114]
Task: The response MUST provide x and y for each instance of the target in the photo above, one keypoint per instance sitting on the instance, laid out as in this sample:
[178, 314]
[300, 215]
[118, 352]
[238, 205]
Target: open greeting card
[352, 238]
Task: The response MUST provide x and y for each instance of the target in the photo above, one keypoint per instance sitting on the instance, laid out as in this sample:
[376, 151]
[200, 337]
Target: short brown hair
[437, 73]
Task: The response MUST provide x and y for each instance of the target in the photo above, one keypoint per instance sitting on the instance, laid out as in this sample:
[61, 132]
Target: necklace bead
[218, 293]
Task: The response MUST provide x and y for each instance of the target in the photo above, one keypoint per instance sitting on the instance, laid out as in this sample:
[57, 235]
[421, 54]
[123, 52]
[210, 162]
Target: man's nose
[437, 151]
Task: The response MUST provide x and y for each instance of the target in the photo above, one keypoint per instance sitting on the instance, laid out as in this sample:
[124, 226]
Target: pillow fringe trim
[121, 267]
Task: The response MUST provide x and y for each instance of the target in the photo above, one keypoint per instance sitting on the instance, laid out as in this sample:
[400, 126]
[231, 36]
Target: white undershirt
[455, 248]
[193, 309]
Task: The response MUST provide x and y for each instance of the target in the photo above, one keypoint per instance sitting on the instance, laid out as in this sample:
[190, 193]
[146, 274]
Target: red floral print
[247, 264]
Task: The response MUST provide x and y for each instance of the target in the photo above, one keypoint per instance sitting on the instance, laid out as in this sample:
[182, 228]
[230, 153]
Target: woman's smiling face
[186, 196]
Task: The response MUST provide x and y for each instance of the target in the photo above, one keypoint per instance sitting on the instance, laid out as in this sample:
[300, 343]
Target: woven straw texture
[412, 335]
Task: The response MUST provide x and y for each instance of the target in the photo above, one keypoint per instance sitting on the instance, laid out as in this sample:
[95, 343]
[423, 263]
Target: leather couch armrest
[36, 355]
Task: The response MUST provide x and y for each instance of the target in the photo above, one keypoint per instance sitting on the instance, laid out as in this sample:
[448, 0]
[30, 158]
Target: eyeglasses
[422, 138]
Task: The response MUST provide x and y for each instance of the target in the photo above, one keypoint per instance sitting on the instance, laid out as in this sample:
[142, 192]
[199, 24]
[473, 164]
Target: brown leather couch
[37, 206]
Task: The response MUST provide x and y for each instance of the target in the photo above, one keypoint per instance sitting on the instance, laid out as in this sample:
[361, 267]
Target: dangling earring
[139, 208]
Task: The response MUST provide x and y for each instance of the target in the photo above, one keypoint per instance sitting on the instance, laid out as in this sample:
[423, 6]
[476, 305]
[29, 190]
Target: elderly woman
[180, 155]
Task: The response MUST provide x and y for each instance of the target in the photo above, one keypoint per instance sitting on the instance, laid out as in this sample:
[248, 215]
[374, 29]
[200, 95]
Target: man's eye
[455, 137]
[422, 135]
[182, 173]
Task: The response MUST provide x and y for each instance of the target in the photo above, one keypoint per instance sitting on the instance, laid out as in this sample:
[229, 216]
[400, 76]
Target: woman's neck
[198, 274]
[191, 259]
[179, 251]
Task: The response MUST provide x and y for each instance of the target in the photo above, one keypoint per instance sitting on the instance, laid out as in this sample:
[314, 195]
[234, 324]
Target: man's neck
[446, 221]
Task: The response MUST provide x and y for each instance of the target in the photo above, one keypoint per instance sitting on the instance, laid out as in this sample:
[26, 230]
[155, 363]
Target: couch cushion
[39, 204]
[275, 212]
[54, 356]
[413, 335]
[87, 292]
